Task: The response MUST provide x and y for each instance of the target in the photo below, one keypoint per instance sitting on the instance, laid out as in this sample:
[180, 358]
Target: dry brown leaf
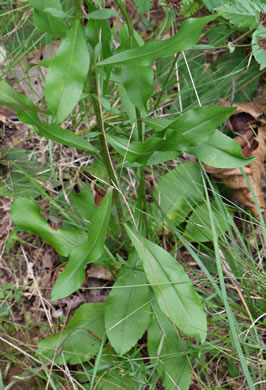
[246, 116]
[252, 146]
[99, 271]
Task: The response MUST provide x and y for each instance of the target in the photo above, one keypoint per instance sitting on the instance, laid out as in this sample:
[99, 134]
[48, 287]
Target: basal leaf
[55, 132]
[185, 39]
[127, 312]
[67, 73]
[13, 100]
[199, 226]
[179, 191]
[25, 214]
[89, 251]
[163, 343]
[137, 81]
[258, 46]
[172, 287]
[81, 338]
[220, 151]
[84, 202]
[195, 126]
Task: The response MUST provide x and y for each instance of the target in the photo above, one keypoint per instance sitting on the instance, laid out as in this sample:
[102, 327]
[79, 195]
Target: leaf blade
[67, 73]
[73, 274]
[55, 132]
[63, 240]
[127, 315]
[172, 287]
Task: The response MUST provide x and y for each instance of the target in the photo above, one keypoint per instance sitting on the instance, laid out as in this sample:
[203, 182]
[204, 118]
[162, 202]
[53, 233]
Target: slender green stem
[77, 9]
[95, 93]
[142, 184]
[126, 16]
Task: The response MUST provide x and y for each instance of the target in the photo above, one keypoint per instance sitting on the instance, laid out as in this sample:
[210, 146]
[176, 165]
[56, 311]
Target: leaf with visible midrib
[13, 100]
[127, 312]
[81, 338]
[73, 275]
[163, 343]
[220, 151]
[172, 287]
[55, 132]
[25, 214]
[185, 39]
[67, 73]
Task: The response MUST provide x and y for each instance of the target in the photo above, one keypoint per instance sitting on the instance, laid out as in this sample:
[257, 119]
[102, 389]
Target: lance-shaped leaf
[89, 251]
[13, 100]
[172, 287]
[134, 151]
[137, 81]
[81, 338]
[48, 17]
[185, 39]
[220, 151]
[195, 126]
[163, 343]
[179, 191]
[55, 132]
[67, 73]
[127, 312]
[25, 214]
[101, 14]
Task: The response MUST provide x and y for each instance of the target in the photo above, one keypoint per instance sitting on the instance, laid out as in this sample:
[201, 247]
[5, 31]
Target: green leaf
[13, 100]
[137, 81]
[158, 124]
[129, 107]
[55, 132]
[244, 14]
[195, 126]
[258, 46]
[172, 287]
[81, 338]
[127, 311]
[211, 4]
[179, 191]
[84, 202]
[163, 344]
[89, 251]
[67, 73]
[185, 39]
[48, 16]
[47, 21]
[134, 151]
[199, 226]
[104, 13]
[221, 151]
[25, 214]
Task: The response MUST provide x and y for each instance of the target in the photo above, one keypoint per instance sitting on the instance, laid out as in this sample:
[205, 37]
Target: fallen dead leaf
[246, 121]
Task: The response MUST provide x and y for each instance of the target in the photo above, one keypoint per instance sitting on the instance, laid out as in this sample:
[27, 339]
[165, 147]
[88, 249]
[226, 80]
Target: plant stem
[77, 9]
[95, 93]
[126, 16]
[142, 184]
